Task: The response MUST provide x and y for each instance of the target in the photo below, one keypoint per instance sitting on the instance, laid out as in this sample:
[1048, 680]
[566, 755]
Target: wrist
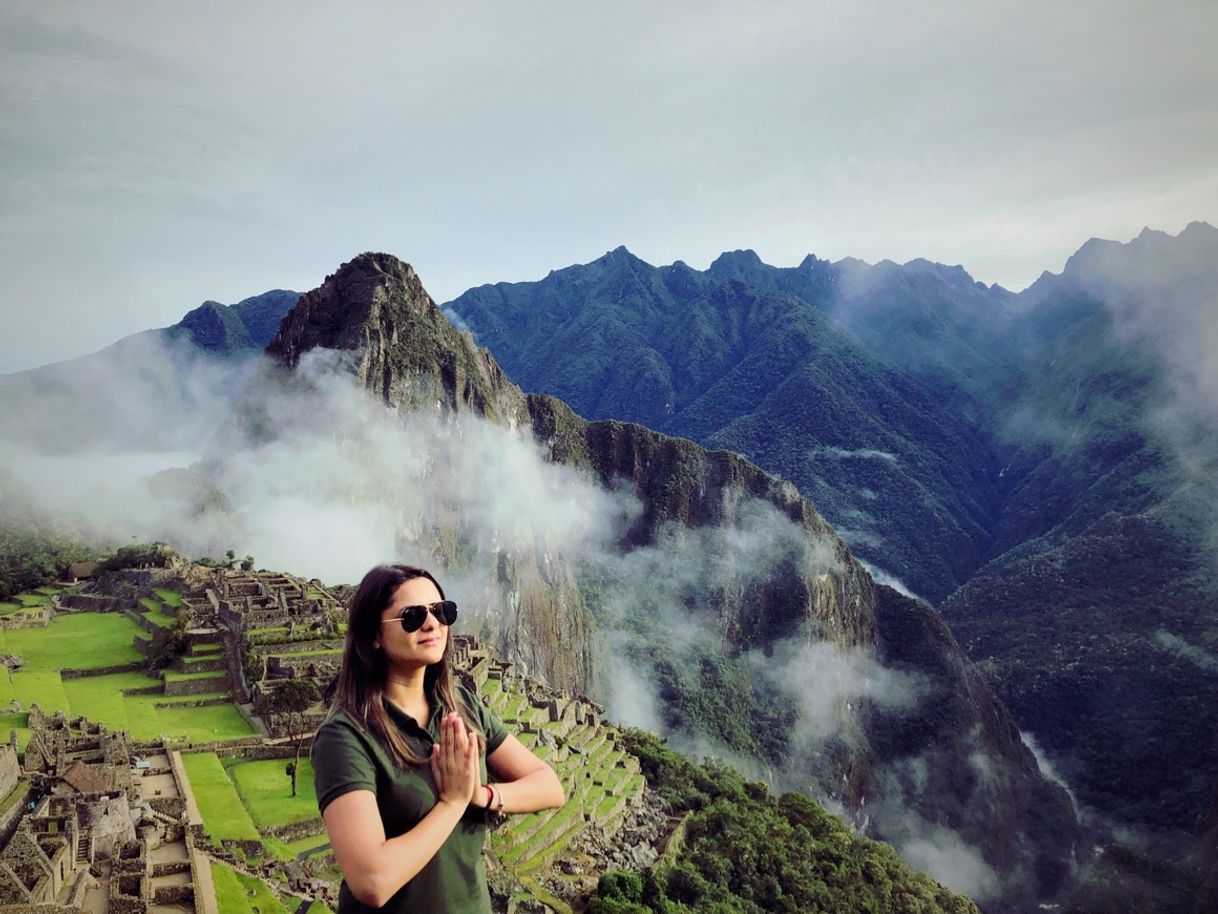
[451, 804]
[483, 798]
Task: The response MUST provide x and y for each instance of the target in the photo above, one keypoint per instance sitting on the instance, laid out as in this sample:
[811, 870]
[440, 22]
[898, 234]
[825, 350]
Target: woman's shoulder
[338, 722]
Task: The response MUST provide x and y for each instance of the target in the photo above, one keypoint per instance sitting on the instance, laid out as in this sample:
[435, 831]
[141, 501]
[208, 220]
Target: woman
[400, 765]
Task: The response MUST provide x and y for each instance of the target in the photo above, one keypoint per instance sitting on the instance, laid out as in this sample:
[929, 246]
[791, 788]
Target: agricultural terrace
[132, 700]
[237, 893]
[250, 800]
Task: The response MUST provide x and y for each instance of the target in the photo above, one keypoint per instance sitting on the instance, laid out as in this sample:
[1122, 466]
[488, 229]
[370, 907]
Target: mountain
[1040, 464]
[1097, 618]
[195, 367]
[753, 359]
[917, 745]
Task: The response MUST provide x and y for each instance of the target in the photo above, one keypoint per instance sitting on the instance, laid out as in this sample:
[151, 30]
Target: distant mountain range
[1033, 463]
[196, 366]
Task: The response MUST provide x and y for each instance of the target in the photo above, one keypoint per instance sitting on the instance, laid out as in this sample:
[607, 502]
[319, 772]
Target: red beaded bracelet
[490, 795]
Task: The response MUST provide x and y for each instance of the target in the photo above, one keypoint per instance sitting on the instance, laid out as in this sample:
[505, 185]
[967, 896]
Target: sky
[156, 155]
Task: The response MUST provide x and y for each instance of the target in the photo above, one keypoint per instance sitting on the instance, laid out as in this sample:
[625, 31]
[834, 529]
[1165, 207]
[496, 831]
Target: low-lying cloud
[334, 482]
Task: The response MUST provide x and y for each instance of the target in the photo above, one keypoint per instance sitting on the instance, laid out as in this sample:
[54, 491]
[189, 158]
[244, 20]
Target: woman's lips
[429, 641]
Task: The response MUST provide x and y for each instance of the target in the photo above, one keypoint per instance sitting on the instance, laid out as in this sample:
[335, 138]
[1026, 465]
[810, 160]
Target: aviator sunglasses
[412, 617]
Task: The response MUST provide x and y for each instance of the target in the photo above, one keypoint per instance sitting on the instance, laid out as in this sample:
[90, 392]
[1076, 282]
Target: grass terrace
[266, 791]
[169, 597]
[93, 640]
[224, 815]
[237, 893]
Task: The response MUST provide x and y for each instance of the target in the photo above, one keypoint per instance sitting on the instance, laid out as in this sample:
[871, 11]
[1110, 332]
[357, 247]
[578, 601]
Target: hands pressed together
[454, 762]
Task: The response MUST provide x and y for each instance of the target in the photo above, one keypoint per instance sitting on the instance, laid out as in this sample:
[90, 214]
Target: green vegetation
[267, 792]
[89, 640]
[237, 893]
[140, 555]
[76, 641]
[175, 676]
[172, 597]
[786, 853]
[224, 815]
[32, 560]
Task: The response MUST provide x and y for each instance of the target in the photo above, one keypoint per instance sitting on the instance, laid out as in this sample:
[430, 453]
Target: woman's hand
[454, 762]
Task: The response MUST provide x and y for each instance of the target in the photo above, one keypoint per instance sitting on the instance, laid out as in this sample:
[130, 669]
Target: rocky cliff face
[550, 616]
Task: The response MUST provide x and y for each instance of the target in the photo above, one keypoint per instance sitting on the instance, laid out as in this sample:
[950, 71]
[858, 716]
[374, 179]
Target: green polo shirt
[346, 758]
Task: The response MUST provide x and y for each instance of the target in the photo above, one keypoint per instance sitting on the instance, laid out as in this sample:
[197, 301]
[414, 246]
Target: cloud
[880, 576]
[837, 453]
[941, 853]
[1182, 648]
[312, 476]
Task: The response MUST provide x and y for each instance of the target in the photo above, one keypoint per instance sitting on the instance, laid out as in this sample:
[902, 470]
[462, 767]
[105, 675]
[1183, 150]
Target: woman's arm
[374, 867]
[525, 782]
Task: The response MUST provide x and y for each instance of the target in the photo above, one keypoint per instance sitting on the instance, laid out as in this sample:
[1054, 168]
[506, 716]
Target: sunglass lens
[412, 617]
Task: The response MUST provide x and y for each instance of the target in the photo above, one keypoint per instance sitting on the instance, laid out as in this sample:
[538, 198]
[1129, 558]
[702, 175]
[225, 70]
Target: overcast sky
[155, 155]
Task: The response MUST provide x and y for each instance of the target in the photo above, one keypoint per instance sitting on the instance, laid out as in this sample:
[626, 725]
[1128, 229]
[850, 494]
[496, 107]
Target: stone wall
[133, 667]
[10, 769]
[83, 602]
[196, 686]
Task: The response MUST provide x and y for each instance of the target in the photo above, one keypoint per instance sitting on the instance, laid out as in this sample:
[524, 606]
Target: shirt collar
[410, 725]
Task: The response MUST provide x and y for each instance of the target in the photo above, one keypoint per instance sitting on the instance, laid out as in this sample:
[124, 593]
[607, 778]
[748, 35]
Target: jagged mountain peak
[405, 349]
[369, 295]
[735, 264]
[621, 255]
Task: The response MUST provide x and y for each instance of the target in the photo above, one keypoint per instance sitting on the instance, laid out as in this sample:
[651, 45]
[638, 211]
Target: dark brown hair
[364, 672]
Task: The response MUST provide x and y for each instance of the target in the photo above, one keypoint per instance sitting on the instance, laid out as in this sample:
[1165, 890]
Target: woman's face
[422, 647]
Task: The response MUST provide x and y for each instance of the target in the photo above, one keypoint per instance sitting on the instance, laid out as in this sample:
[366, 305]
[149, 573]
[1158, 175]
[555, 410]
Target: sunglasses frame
[445, 612]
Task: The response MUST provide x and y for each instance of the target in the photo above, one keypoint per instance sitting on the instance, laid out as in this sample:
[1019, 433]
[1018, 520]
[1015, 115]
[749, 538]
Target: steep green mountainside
[1098, 618]
[1045, 447]
[195, 367]
[750, 358]
[688, 570]
[787, 853]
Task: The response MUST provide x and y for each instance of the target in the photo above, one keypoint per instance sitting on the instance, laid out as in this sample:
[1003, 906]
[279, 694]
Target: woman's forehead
[416, 590]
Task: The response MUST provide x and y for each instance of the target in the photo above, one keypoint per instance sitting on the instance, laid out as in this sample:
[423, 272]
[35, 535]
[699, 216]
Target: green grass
[79, 641]
[100, 698]
[237, 893]
[266, 791]
[203, 658]
[33, 599]
[292, 654]
[224, 815]
[160, 618]
[18, 722]
[7, 609]
[45, 688]
[150, 604]
[213, 722]
[173, 598]
[308, 843]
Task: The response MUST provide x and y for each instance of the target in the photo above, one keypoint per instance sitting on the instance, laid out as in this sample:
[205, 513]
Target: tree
[247, 563]
[289, 702]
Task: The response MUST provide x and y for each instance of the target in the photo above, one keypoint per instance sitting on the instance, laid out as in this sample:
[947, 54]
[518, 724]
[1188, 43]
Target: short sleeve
[341, 762]
[489, 722]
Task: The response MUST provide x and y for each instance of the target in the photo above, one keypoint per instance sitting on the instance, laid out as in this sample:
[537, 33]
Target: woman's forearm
[399, 859]
[536, 790]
